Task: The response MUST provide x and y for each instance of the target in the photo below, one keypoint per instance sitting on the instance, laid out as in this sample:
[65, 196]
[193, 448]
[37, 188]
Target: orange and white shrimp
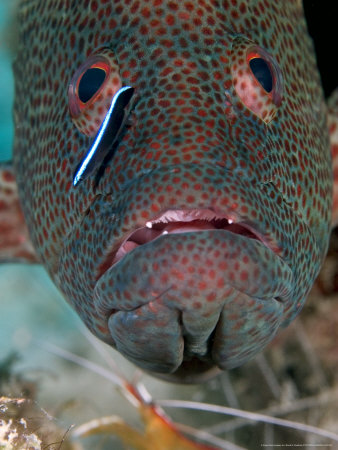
[160, 432]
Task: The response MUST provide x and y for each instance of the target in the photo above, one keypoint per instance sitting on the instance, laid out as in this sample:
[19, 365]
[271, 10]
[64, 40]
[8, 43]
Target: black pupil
[262, 72]
[90, 83]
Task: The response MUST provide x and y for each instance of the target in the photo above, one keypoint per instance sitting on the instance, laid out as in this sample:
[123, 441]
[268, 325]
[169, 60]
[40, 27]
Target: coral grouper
[174, 171]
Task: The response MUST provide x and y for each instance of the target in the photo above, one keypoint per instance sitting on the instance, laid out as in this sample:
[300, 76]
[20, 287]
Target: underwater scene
[63, 388]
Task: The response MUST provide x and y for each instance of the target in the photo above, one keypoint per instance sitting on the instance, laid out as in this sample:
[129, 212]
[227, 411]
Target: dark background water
[322, 23]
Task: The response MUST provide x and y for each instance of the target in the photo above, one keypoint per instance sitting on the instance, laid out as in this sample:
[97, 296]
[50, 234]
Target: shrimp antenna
[257, 417]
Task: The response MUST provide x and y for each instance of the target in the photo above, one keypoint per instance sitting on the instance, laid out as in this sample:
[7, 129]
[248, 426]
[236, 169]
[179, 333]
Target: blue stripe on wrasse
[107, 134]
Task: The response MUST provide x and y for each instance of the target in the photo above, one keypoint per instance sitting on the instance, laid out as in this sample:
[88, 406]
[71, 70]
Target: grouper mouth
[192, 285]
[181, 221]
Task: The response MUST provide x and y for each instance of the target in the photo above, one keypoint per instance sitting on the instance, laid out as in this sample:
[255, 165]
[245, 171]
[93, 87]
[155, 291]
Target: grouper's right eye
[256, 78]
[91, 90]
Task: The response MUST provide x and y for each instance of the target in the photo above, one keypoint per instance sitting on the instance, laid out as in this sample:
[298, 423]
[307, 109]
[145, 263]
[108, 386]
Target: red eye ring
[88, 115]
[258, 52]
[102, 65]
[258, 87]
[75, 104]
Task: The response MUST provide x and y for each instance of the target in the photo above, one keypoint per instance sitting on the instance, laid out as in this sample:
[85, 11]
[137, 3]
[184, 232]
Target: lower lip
[145, 235]
[268, 277]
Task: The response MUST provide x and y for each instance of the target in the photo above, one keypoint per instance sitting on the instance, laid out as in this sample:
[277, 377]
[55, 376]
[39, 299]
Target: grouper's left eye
[257, 78]
[99, 106]
[91, 90]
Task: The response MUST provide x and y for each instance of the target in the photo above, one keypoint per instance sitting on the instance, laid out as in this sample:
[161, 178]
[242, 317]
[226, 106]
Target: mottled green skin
[185, 302]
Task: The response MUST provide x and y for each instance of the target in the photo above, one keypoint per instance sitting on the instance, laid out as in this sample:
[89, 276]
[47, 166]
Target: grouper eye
[99, 106]
[257, 78]
[261, 70]
[92, 87]
[90, 83]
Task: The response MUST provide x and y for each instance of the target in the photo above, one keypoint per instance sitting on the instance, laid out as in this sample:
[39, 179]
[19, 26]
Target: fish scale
[203, 134]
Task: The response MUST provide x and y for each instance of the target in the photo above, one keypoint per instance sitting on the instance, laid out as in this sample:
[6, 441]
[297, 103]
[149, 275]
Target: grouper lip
[174, 221]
